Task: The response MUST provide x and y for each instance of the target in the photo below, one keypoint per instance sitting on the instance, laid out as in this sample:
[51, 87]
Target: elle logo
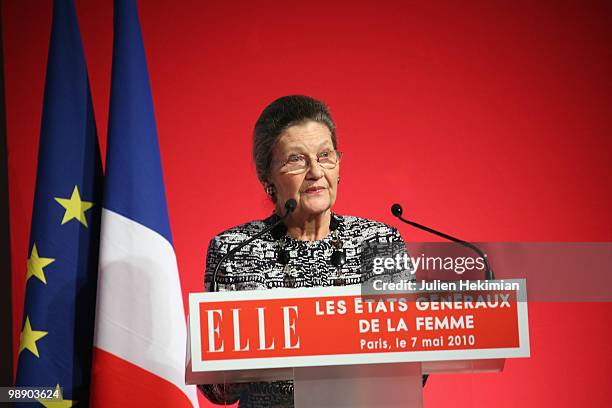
[264, 333]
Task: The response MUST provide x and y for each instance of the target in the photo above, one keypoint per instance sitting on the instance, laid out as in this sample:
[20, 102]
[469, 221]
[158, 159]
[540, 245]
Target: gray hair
[280, 115]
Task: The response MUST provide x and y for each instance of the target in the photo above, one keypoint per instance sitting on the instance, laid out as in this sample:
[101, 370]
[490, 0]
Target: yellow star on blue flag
[29, 337]
[75, 207]
[36, 264]
[57, 402]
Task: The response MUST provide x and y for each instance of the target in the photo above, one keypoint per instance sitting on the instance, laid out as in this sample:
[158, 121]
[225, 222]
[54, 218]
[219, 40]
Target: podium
[344, 348]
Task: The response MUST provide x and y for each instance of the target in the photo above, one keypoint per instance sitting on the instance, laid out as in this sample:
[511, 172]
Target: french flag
[140, 334]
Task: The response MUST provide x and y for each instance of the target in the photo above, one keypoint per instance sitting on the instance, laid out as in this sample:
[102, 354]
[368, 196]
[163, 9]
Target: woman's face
[314, 189]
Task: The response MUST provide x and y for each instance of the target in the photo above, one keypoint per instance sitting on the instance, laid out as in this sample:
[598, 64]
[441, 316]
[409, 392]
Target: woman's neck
[312, 228]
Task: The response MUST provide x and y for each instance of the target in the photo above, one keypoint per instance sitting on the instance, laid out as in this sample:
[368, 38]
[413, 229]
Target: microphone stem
[488, 272]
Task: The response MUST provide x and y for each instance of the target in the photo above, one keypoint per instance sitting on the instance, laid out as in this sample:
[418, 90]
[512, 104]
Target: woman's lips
[314, 190]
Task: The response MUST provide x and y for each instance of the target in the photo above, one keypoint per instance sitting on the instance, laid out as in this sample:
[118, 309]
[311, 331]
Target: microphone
[290, 206]
[397, 211]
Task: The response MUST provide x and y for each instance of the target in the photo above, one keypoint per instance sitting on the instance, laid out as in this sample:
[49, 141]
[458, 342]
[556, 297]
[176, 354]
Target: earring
[338, 179]
[270, 189]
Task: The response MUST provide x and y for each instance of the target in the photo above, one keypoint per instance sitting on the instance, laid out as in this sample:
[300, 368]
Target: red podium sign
[339, 326]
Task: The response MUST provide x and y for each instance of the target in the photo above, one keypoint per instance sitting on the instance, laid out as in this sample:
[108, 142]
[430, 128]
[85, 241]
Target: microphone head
[397, 210]
[290, 205]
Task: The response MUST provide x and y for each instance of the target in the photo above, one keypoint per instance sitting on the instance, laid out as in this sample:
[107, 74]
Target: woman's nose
[315, 171]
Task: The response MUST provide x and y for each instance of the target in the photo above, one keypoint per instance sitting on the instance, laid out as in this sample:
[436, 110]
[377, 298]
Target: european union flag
[58, 318]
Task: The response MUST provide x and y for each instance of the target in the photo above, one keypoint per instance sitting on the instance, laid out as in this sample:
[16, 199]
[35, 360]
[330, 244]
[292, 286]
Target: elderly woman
[296, 156]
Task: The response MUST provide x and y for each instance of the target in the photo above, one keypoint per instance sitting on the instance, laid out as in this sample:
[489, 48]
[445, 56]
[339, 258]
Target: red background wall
[489, 120]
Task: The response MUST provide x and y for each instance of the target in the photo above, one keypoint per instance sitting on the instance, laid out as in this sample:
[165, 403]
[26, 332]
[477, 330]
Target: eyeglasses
[299, 163]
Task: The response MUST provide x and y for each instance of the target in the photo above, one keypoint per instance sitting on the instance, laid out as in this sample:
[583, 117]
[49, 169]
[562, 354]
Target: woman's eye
[294, 159]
